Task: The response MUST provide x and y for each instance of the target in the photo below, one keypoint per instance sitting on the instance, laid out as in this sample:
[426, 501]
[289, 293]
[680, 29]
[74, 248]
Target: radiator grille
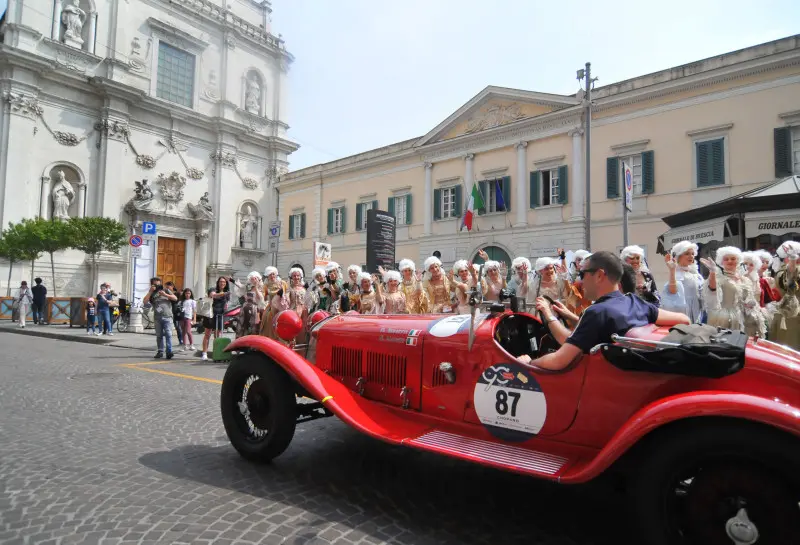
[439, 378]
[346, 362]
[386, 369]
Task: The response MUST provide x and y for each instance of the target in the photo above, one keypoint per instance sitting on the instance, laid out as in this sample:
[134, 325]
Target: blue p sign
[148, 228]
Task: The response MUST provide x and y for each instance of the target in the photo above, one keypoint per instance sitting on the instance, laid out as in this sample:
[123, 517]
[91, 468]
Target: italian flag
[475, 202]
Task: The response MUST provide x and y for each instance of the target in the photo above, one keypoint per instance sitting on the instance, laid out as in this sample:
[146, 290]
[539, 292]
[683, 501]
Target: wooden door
[171, 262]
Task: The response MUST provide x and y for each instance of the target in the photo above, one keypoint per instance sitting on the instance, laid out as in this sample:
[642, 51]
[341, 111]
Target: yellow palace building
[693, 135]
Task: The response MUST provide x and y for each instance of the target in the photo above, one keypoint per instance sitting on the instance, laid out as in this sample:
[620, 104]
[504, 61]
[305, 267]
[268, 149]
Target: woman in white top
[189, 308]
[24, 299]
[683, 292]
[729, 295]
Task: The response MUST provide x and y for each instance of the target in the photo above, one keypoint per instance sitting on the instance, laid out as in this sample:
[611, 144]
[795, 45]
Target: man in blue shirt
[612, 312]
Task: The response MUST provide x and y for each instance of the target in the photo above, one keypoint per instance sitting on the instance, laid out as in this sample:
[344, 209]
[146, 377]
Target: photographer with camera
[161, 298]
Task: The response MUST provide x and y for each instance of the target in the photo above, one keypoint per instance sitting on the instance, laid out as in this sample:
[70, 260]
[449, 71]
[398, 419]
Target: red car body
[382, 375]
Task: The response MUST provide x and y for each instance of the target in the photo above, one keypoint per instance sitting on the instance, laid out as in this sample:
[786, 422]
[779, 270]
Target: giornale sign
[772, 223]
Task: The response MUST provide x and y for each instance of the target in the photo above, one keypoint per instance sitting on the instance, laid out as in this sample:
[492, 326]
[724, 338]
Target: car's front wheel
[259, 407]
[727, 484]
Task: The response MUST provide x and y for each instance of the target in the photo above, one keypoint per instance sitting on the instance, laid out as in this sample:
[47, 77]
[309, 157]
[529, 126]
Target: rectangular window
[338, 224]
[400, 208]
[710, 162]
[796, 150]
[448, 202]
[297, 226]
[550, 187]
[175, 78]
[362, 215]
[635, 162]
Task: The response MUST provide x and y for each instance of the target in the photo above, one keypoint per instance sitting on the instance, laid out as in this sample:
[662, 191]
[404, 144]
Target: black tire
[266, 431]
[122, 324]
[693, 479]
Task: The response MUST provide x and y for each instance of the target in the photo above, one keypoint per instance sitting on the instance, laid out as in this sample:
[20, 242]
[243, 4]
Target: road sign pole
[624, 223]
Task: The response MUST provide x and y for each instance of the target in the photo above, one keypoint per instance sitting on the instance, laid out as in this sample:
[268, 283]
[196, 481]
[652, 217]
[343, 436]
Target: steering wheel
[546, 323]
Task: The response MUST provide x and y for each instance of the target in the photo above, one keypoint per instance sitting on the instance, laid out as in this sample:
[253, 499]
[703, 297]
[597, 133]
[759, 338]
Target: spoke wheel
[259, 407]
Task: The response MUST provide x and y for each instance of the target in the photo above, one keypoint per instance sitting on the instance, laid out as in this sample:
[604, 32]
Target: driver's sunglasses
[583, 272]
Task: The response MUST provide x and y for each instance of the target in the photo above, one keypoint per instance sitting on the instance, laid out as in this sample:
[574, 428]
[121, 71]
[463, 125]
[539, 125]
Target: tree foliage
[95, 235]
[17, 244]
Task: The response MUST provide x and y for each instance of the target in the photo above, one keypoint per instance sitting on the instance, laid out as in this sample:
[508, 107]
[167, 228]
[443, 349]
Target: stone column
[44, 205]
[82, 200]
[578, 181]
[114, 133]
[21, 113]
[92, 36]
[428, 198]
[202, 274]
[56, 34]
[469, 174]
[522, 178]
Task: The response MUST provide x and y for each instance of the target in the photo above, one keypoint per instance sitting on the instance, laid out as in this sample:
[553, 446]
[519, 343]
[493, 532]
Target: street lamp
[586, 76]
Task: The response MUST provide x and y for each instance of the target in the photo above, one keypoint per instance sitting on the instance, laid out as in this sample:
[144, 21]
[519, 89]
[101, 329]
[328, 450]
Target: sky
[368, 73]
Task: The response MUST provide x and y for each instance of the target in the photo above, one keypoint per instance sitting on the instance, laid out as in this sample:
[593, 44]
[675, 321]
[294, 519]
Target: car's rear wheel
[259, 407]
[722, 485]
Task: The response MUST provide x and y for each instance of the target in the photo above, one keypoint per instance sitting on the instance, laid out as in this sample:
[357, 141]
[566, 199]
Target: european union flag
[498, 189]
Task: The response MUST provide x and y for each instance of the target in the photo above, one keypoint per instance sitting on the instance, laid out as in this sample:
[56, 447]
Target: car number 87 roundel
[509, 402]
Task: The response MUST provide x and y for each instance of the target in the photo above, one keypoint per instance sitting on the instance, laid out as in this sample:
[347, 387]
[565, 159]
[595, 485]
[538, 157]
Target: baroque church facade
[164, 111]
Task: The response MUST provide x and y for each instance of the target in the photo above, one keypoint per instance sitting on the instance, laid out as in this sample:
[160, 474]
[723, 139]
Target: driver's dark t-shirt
[612, 313]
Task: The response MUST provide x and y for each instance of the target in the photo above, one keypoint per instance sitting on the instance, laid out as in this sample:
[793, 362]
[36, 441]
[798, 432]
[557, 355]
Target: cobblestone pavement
[95, 452]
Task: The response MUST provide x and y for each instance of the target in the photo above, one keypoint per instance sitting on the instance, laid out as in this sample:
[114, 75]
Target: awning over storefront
[699, 233]
[778, 222]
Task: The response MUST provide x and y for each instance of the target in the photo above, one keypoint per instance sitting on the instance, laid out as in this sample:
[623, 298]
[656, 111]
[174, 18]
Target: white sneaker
[89, 333]
[192, 348]
[99, 334]
[110, 333]
[204, 356]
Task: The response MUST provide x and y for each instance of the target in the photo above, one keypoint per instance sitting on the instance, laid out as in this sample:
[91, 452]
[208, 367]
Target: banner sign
[322, 254]
[381, 238]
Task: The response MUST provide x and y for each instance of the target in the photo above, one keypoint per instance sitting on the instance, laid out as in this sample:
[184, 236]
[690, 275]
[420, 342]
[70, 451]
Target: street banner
[381, 238]
[322, 254]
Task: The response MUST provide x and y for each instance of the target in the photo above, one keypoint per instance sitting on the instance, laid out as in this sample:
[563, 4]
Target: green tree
[48, 236]
[95, 235]
[17, 244]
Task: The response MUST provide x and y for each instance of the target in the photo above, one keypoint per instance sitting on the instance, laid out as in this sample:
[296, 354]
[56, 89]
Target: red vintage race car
[707, 434]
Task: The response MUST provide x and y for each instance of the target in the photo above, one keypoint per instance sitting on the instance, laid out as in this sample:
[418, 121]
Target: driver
[612, 312]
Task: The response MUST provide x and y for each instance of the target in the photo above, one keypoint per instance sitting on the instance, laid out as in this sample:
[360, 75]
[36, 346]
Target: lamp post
[585, 74]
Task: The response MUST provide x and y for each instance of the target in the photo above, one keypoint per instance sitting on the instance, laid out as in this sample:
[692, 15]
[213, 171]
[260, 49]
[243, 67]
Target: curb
[48, 335]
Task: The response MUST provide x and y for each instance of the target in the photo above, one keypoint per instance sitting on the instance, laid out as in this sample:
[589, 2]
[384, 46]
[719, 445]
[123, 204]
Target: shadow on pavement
[340, 476]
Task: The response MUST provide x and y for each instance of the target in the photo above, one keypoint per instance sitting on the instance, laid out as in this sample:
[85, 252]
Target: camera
[159, 287]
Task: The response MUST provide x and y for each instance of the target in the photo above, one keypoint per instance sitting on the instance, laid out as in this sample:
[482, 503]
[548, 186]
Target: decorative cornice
[709, 130]
[549, 161]
[469, 156]
[577, 131]
[70, 58]
[114, 129]
[521, 145]
[23, 105]
[225, 159]
[629, 148]
[179, 37]
[790, 118]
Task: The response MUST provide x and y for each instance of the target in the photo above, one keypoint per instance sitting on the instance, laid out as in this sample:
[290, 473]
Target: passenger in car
[612, 312]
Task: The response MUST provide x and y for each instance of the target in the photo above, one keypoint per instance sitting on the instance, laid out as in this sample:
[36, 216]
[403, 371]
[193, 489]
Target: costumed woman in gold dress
[276, 300]
[392, 300]
[416, 298]
[729, 296]
[366, 301]
[297, 299]
[465, 278]
[785, 325]
[436, 286]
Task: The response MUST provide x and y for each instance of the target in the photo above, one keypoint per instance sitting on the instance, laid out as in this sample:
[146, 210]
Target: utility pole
[586, 75]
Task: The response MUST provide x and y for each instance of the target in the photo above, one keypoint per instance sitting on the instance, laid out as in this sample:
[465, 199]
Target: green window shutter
[291, 227]
[648, 173]
[507, 192]
[374, 205]
[612, 178]
[344, 219]
[563, 185]
[390, 207]
[408, 209]
[303, 225]
[703, 178]
[359, 215]
[482, 189]
[718, 157]
[783, 152]
[330, 221]
[437, 204]
[458, 201]
[534, 189]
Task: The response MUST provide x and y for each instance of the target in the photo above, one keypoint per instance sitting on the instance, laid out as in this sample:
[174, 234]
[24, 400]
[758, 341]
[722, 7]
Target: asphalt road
[103, 445]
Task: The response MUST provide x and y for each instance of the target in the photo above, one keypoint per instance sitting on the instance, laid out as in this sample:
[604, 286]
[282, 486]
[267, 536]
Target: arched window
[75, 23]
[495, 253]
[249, 222]
[254, 91]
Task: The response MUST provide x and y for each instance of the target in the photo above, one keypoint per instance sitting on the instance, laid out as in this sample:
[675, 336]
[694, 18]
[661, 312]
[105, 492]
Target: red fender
[362, 414]
[713, 403]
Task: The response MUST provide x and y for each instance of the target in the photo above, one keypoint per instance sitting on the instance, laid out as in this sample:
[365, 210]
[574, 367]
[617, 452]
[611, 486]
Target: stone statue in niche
[248, 228]
[252, 99]
[62, 196]
[73, 18]
[143, 193]
[205, 202]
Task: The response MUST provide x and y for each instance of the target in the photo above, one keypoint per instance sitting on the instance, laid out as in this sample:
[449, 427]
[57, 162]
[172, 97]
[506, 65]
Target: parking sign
[148, 228]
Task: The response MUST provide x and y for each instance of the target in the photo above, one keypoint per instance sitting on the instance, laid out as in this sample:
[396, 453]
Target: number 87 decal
[502, 402]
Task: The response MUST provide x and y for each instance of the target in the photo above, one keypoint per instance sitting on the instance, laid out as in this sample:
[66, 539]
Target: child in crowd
[91, 317]
[248, 319]
[188, 307]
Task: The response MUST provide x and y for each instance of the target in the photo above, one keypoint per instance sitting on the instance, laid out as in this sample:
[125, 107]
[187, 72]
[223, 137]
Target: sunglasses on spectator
[583, 272]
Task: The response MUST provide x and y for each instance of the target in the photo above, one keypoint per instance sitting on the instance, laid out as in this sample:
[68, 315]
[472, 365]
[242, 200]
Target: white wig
[407, 264]
[317, 271]
[432, 260]
[331, 266]
[354, 268]
[521, 263]
[581, 254]
[254, 274]
[489, 265]
[296, 270]
[364, 276]
[629, 251]
[726, 251]
[764, 255]
[544, 262]
[789, 248]
[682, 247]
[752, 257]
[460, 265]
[270, 270]
[392, 275]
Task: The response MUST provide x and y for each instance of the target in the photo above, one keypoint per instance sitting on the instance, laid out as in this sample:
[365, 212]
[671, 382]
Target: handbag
[205, 308]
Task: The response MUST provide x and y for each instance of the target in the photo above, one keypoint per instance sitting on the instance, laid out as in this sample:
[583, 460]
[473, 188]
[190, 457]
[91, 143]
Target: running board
[490, 453]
